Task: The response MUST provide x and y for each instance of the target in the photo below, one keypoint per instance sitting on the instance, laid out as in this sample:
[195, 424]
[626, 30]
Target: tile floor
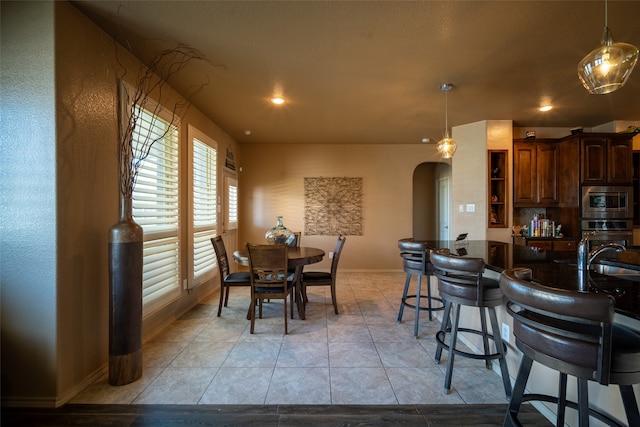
[360, 356]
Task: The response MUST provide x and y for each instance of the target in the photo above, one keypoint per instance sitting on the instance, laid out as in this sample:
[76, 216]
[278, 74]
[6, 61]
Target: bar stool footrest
[440, 337]
[426, 298]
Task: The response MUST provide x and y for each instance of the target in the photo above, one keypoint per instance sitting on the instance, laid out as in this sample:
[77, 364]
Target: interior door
[444, 213]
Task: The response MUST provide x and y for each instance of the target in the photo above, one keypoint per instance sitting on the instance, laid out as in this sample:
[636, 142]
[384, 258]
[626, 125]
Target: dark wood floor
[267, 415]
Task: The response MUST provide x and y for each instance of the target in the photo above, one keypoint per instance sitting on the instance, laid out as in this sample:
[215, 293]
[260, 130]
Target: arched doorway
[431, 201]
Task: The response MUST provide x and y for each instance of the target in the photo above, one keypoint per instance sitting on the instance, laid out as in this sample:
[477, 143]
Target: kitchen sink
[571, 261]
[616, 271]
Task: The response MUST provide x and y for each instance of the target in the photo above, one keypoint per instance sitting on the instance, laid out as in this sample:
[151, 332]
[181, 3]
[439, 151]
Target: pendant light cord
[446, 112]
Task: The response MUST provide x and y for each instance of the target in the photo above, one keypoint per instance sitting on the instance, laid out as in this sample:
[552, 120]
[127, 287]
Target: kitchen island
[553, 268]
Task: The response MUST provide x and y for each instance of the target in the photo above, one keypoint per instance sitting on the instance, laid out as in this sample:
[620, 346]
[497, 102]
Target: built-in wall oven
[609, 211]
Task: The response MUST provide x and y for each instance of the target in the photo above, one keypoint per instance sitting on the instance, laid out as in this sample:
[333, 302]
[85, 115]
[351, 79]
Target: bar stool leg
[446, 321]
[485, 336]
[583, 403]
[417, 320]
[407, 282]
[630, 405]
[500, 348]
[562, 399]
[429, 297]
[518, 392]
[452, 342]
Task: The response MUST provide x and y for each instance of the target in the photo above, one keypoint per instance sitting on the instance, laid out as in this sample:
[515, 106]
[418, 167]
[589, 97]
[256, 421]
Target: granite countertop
[557, 269]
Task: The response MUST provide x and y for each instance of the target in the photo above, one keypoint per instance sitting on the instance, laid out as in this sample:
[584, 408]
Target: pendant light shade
[447, 145]
[607, 68]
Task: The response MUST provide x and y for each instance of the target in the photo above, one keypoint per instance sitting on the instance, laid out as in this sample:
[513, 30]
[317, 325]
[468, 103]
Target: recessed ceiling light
[277, 100]
[545, 108]
[247, 132]
[426, 140]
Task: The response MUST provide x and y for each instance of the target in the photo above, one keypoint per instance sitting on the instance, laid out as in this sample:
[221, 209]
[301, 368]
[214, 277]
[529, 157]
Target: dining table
[298, 257]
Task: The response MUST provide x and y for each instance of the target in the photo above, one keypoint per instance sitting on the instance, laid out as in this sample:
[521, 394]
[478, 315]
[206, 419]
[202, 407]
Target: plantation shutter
[156, 204]
[232, 203]
[204, 210]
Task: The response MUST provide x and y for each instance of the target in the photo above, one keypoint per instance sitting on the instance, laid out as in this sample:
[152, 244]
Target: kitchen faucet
[585, 258]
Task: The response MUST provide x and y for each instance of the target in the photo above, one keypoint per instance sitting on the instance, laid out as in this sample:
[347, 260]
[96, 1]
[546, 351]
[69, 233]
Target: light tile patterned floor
[360, 356]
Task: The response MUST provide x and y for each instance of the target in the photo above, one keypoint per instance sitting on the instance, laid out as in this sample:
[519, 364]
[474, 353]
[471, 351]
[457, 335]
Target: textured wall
[60, 197]
[28, 214]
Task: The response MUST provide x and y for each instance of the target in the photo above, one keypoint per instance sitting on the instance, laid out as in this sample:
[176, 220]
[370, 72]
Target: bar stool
[571, 332]
[460, 282]
[415, 261]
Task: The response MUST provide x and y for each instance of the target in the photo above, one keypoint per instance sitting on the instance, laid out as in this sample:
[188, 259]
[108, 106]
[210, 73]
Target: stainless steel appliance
[608, 210]
[607, 202]
[613, 230]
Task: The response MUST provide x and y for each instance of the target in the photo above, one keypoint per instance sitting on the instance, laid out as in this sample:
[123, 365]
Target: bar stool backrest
[415, 256]
[459, 278]
[568, 331]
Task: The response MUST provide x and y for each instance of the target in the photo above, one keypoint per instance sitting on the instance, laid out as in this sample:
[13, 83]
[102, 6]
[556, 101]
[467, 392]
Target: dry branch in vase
[152, 80]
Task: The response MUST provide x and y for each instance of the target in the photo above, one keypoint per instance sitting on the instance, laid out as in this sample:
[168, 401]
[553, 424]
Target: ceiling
[371, 71]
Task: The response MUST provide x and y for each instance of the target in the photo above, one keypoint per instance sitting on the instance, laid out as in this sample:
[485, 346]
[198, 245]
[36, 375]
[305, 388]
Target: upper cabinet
[606, 159]
[535, 172]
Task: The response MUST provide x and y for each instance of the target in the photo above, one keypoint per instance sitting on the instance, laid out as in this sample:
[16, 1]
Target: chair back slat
[221, 256]
[296, 240]
[336, 255]
[268, 264]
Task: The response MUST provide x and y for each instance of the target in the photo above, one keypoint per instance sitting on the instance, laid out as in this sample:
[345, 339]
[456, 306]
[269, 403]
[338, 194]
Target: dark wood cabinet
[606, 160]
[548, 173]
[536, 171]
[636, 188]
[547, 244]
[498, 184]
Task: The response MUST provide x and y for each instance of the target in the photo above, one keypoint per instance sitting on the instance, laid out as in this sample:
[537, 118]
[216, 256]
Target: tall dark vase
[125, 303]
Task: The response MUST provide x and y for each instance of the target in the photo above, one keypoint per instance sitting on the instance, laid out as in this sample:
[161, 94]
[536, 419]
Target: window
[232, 203]
[156, 206]
[204, 202]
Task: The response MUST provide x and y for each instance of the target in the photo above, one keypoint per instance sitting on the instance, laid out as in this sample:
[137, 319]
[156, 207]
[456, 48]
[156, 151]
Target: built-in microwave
[607, 202]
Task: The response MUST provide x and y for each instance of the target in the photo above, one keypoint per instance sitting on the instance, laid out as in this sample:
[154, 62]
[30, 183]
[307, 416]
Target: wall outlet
[330, 255]
[505, 332]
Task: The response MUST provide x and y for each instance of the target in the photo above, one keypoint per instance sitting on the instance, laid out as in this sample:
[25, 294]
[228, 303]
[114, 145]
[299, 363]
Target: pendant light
[447, 145]
[607, 68]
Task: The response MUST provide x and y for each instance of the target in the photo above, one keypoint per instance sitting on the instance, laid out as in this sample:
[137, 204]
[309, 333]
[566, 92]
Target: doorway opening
[431, 201]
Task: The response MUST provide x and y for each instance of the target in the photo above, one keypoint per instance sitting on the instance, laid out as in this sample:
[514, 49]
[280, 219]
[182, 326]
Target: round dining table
[298, 257]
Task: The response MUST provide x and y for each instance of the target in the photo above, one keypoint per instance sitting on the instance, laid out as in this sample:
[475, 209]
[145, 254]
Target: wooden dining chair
[270, 278]
[321, 278]
[227, 279]
[296, 241]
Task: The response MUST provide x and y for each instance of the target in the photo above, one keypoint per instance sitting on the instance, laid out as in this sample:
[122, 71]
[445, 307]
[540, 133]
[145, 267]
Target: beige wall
[470, 172]
[271, 184]
[61, 109]
[28, 192]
